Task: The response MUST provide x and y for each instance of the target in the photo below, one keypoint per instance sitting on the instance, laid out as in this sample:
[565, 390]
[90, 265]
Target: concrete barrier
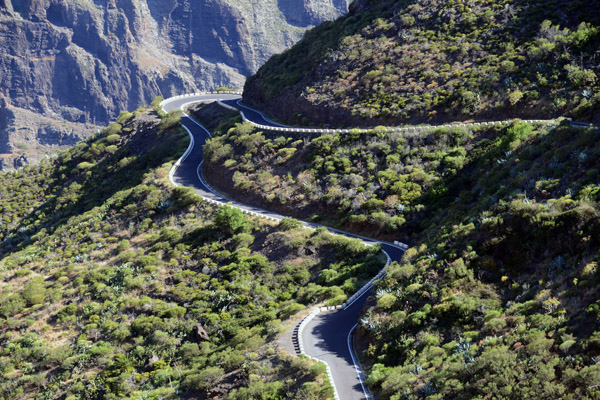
[329, 130]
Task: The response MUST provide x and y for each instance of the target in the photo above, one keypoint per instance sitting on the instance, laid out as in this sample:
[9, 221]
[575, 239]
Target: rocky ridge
[83, 61]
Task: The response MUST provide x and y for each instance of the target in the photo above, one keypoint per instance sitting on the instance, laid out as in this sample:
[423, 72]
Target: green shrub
[35, 291]
[230, 219]
[288, 224]
[186, 196]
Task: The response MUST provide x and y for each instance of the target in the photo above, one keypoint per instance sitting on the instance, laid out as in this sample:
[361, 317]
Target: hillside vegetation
[500, 293]
[114, 284]
[378, 182]
[396, 61]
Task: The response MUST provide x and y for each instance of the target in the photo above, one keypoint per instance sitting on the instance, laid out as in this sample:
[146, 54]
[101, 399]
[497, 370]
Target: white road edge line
[303, 324]
[357, 366]
[199, 175]
[182, 158]
[189, 148]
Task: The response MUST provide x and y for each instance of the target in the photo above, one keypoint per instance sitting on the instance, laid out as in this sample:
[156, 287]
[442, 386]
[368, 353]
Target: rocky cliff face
[82, 61]
[27, 136]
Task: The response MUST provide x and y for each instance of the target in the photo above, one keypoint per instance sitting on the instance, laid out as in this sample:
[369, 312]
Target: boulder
[201, 334]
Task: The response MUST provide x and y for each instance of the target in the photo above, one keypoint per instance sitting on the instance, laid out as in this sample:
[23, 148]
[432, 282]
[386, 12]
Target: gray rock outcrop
[83, 61]
[201, 334]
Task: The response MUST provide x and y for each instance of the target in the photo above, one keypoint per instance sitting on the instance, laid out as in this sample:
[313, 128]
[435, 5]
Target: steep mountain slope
[83, 61]
[115, 284]
[500, 293]
[396, 61]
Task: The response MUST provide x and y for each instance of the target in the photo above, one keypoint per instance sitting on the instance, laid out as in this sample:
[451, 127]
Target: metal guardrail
[408, 129]
[403, 246]
[404, 129]
[367, 286]
[226, 201]
[183, 96]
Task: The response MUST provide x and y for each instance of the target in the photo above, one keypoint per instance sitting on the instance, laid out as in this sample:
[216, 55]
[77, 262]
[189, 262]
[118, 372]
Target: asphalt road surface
[326, 337]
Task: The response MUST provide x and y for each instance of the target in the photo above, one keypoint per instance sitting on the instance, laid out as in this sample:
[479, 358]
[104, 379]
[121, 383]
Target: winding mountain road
[327, 336]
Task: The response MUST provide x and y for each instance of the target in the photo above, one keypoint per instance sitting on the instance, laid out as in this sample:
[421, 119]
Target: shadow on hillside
[529, 227]
[98, 183]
